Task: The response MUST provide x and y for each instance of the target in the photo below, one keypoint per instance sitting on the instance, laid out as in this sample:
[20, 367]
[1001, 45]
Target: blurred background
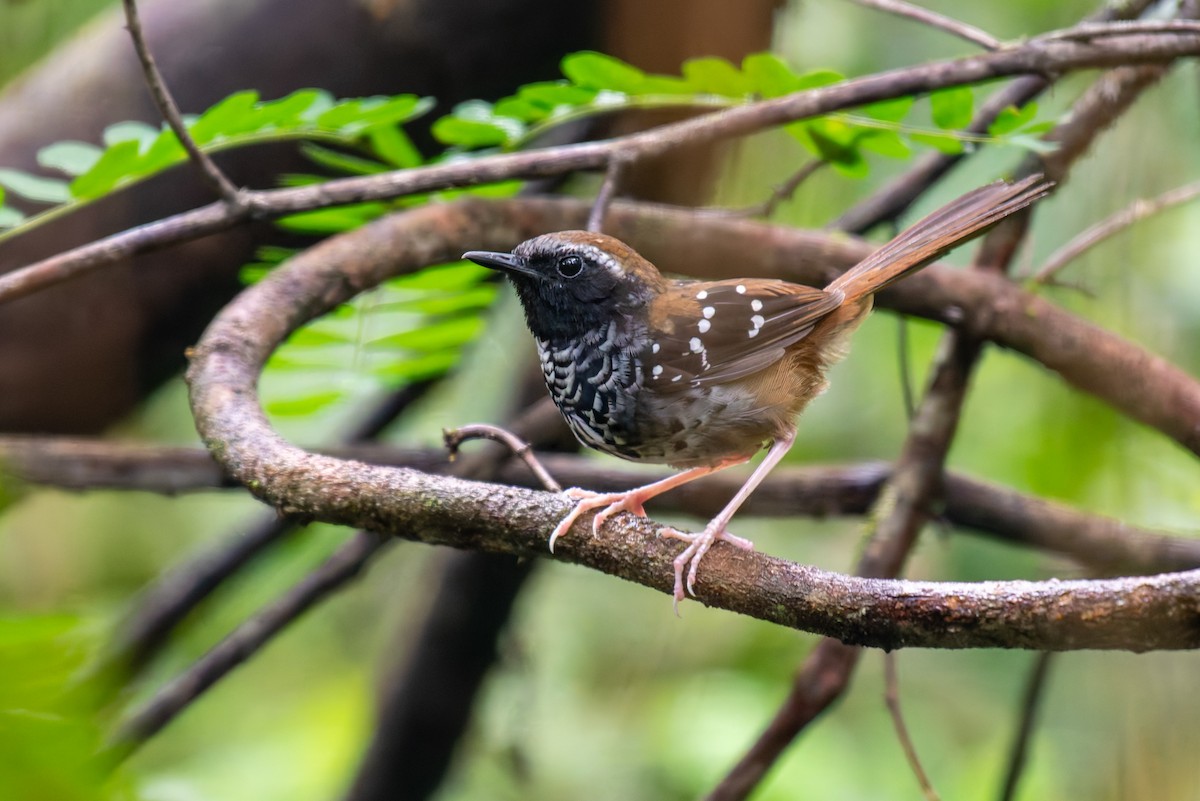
[599, 691]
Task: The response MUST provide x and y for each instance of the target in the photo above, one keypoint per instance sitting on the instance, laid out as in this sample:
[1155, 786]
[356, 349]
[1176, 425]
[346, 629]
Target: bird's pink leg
[629, 501]
[698, 544]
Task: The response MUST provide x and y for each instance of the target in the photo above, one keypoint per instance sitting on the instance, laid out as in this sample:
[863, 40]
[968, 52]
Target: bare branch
[784, 191]
[941, 22]
[1093, 31]
[1050, 57]
[1140, 209]
[209, 171]
[891, 698]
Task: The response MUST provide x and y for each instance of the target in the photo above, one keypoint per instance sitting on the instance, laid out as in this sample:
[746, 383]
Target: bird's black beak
[505, 262]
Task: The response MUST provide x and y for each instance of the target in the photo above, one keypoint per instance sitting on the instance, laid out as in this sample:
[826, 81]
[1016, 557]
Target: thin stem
[1140, 209]
[1099, 30]
[891, 698]
[617, 165]
[209, 171]
[941, 22]
[519, 447]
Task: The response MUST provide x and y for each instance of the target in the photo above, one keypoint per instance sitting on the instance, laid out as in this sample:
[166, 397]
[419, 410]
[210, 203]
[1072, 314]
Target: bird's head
[570, 282]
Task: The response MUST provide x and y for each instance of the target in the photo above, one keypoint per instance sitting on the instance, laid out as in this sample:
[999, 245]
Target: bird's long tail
[938, 233]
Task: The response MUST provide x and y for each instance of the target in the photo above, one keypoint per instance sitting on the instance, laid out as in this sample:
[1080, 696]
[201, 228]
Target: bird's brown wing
[725, 330]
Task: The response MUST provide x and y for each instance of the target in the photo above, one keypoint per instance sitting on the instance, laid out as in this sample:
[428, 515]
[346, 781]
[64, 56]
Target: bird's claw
[613, 503]
[689, 558]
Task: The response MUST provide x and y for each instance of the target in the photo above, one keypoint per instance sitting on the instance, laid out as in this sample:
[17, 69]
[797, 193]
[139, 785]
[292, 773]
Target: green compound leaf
[469, 133]
[134, 150]
[885, 143]
[305, 405]
[592, 70]
[10, 217]
[769, 75]
[1011, 119]
[450, 333]
[130, 131]
[952, 108]
[715, 76]
[72, 158]
[35, 187]
[889, 110]
[946, 143]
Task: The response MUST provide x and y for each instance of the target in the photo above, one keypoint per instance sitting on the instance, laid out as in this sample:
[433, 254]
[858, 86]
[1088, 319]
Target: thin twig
[209, 171]
[933, 19]
[1035, 687]
[904, 367]
[891, 697]
[784, 191]
[1098, 30]
[613, 175]
[150, 718]
[1140, 209]
[521, 449]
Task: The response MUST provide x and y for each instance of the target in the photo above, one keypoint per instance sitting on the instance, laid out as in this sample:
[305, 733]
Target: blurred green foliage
[601, 693]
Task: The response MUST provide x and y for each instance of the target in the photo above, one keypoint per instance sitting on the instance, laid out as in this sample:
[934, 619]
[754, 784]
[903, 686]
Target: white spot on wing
[654, 348]
[657, 371]
[757, 321]
[756, 304]
[709, 311]
[676, 377]
[695, 344]
[704, 325]
[741, 289]
[701, 295]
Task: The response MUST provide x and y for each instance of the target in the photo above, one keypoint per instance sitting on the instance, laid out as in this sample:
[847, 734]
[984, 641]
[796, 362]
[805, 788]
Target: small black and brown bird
[702, 374]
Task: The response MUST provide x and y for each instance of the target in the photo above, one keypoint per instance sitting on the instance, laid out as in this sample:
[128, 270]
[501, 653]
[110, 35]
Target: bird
[702, 375]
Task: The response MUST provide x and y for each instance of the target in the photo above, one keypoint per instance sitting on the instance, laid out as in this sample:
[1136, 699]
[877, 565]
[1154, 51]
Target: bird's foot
[698, 545]
[612, 503]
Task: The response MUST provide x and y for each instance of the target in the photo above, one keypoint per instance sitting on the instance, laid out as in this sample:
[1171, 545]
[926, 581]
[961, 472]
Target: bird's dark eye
[570, 266]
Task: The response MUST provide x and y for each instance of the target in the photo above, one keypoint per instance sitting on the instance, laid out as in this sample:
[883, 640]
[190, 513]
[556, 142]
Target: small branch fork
[454, 439]
[209, 171]
[941, 22]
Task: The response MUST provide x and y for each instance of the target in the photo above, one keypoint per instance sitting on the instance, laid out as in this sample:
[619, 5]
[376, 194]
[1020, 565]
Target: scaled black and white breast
[595, 381]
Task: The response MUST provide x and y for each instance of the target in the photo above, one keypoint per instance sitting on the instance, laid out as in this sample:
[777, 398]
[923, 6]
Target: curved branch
[1032, 57]
[1128, 613]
